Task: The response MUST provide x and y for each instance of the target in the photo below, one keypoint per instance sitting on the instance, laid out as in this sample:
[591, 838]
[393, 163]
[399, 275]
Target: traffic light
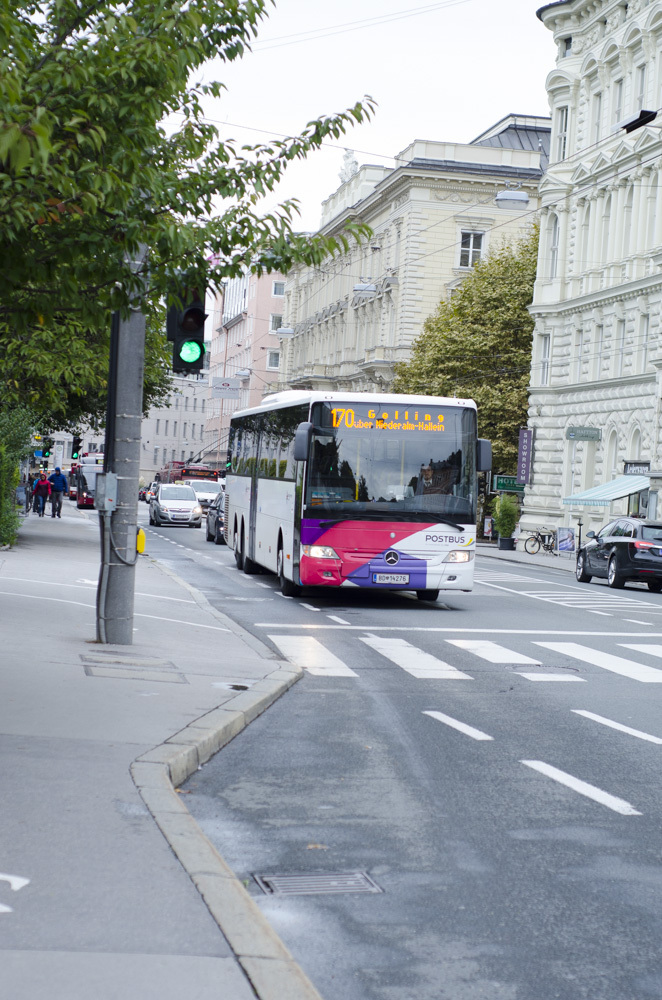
[47, 446]
[76, 445]
[185, 327]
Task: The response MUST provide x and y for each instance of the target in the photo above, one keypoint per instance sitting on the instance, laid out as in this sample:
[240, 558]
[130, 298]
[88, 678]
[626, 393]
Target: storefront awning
[602, 496]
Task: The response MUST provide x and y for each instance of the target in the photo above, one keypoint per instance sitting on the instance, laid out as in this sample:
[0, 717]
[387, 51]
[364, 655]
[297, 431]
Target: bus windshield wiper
[400, 515]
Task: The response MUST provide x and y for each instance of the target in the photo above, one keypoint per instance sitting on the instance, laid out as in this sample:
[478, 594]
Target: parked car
[216, 520]
[142, 492]
[625, 549]
[174, 504]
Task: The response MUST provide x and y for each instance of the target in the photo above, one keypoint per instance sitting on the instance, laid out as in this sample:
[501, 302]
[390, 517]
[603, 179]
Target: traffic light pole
[115, 593]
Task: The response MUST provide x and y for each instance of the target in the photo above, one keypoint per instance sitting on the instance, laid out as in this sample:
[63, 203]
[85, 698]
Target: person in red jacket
[41, 492]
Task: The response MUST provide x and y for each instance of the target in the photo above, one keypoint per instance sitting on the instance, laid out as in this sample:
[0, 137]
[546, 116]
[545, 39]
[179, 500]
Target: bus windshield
[404, 463]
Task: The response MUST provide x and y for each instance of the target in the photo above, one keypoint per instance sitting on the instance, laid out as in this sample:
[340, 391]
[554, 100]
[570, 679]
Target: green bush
[505, 512]
[15, 436]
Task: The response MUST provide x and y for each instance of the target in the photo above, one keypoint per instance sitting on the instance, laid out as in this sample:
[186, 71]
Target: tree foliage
[478, 346]
[89, 174]
[16, 427]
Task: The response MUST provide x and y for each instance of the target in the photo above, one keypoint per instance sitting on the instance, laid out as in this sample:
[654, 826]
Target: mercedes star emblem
[392, 557]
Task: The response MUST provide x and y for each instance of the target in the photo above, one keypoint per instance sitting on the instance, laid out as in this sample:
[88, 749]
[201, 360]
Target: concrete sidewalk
[109, 890]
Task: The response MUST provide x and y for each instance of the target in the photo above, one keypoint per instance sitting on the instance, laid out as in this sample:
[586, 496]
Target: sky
[443, 70]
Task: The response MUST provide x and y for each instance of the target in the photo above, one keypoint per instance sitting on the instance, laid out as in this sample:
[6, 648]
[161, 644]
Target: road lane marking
[617, 725]
[461, 727]
[589, 633]
[653, 649]
[583, 788]
[492, 652]
[607, 661]
[604, 613]
[310, 607]
[415, 661]
[311, 655]
[550, 677]
[341, 621]
[635, 621]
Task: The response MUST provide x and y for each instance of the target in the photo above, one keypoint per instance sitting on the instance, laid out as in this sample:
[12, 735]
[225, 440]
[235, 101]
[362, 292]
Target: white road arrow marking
[15, 881]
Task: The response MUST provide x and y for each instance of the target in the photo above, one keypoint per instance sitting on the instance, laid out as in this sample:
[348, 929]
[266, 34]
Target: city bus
[90, 465]
[329, 489]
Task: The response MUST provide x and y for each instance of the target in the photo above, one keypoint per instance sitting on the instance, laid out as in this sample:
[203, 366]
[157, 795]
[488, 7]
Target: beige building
[596, 379]
[433, 216]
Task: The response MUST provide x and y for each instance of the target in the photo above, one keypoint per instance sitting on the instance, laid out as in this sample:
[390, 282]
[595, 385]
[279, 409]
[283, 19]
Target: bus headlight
[319, 552]
[459, 556]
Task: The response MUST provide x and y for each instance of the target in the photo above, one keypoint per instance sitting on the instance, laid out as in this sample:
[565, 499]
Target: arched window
[634, 450]
[610, 470]
[553, 245]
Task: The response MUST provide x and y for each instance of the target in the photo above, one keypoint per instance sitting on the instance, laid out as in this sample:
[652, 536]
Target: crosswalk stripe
[583, 787]
[616, 664]
[311, 655]
[461, 727]
[652, 648]
[492, 651]
[415, 661]
[551, 677]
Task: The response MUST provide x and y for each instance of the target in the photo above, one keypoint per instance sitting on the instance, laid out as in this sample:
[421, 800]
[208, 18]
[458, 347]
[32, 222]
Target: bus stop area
[108, 888]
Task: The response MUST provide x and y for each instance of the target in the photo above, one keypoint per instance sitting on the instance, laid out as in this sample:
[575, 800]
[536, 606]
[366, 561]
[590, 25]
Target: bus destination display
[369, 418]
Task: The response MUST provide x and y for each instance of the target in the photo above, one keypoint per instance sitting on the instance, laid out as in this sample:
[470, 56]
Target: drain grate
[315, 882]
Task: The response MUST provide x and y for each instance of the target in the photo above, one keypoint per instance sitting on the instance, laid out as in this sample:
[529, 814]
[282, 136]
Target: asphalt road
[491, 762]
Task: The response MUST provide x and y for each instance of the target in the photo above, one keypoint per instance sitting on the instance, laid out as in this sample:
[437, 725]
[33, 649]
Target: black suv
[625, 549]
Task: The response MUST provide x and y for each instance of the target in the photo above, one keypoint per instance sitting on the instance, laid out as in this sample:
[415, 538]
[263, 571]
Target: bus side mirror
[302, 439]
[483, 455]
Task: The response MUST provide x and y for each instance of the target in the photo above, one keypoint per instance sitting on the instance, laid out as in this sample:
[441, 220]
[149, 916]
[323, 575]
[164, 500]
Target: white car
[206, 490]
[175, 504]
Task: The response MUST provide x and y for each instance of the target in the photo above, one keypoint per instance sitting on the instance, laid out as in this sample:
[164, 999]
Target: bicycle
[541, 539]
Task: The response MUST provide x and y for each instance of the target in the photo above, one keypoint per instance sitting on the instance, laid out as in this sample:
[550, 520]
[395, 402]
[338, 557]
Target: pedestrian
[41, 492]
[59, 486]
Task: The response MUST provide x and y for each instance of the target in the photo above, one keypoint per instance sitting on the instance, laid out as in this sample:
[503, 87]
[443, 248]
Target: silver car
[174, 504]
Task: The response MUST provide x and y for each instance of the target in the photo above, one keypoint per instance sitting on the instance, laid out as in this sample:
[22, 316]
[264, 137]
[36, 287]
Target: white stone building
[433, 216]
[596, 368]
[175, 431]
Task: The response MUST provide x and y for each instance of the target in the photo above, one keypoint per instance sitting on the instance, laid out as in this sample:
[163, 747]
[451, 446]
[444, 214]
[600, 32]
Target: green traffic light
[190, 351]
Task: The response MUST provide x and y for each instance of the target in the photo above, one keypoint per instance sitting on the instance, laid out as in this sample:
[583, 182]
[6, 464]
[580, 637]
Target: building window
[561, 132]
[174, 427]
[172, 455]
[643, 342]
[275, 322]
[279, 288]
[273, 360]
[544, 359]
[202, 431]
[165, 427]
[202, 406]
[554, 246]
[193, 432]
[641, 88]
[566, 46]
[195, 404]
[183, 456]
[597, 117]
[617, 104]
[620, 347]
[157, 426]
[471, 247]
[186, 402]
[156, 456]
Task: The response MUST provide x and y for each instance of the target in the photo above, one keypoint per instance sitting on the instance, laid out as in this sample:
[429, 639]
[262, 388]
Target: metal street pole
[115, 595]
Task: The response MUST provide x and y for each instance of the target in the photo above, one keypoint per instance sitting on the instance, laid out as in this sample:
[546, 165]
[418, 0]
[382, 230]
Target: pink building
[244, 350]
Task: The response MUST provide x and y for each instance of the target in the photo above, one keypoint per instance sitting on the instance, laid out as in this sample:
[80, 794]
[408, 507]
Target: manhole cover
[311, 883]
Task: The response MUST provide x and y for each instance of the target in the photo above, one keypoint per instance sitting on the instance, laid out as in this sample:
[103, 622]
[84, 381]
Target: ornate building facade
[432, 217]
[596, 378]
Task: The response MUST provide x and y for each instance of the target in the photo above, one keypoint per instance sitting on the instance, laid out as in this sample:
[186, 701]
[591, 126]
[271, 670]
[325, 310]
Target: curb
[266, 962]
[520, 562]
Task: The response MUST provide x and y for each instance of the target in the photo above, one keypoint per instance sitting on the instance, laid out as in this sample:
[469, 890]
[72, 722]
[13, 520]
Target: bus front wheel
[287, 588]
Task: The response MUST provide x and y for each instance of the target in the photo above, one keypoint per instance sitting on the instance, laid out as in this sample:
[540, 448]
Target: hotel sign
[583, 434]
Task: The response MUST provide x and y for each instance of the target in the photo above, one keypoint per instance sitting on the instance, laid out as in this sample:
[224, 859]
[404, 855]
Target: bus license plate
[390, 577]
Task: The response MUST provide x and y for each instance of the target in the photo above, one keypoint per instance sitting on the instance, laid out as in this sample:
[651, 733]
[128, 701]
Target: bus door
[250, 444]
